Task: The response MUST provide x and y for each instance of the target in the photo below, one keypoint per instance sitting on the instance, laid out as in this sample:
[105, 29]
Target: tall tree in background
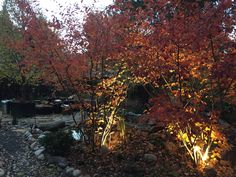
[43, 51]
[12, 70]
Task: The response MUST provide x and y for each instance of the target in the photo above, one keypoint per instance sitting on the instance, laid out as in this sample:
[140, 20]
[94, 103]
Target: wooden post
[14, 121]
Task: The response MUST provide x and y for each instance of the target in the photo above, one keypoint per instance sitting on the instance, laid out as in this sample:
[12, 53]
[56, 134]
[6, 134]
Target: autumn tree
[107, 79]
[177, 55]
[76, 62]
[184, 49]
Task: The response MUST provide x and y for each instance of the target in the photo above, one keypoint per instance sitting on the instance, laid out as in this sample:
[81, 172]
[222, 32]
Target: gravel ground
[16, 158]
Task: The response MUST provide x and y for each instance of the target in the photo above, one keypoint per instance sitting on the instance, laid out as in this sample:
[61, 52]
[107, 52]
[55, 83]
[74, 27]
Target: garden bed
[143, 154]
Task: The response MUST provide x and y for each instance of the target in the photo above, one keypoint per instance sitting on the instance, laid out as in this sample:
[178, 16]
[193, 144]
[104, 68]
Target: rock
[2, 172]
[37, 131]
[39, 151]
[150, 158]
[62, 165]
[170, 146]
[46, 132]
[29, 136]
[42, 147]
[57, 160]
[53, 126]
[69, 171]
[33, 145]
[85, 176]
[41, 157]
[31, 139]
[76, 173]
[41, 136]
[36, 148]
[27, 133]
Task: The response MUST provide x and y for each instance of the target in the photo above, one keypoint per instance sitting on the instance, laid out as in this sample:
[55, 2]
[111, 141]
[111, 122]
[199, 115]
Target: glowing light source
[197, 143]
[199, 156]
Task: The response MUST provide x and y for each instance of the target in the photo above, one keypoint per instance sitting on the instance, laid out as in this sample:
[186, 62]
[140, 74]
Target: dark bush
[58, 143]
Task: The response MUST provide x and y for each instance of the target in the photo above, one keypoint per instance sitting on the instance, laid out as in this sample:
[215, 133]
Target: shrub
[58, 143]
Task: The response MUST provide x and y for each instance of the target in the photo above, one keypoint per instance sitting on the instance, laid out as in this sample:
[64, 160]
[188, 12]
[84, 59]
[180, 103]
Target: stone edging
[40, 154]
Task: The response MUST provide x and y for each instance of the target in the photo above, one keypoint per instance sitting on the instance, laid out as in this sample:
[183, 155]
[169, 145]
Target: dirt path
[16, 158]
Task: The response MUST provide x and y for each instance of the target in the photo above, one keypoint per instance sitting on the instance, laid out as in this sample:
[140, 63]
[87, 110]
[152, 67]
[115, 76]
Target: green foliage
[9, 60]
[12, 67]
[58, 143]
[7, 66]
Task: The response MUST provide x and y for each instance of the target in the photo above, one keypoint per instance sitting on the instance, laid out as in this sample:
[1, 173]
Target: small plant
[58, 143]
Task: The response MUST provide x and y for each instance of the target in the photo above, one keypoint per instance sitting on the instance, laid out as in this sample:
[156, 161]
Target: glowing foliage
[201, 145]
[113, 90]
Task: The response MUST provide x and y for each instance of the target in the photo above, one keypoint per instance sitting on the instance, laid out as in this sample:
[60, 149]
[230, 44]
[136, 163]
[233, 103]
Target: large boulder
[52, 126]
